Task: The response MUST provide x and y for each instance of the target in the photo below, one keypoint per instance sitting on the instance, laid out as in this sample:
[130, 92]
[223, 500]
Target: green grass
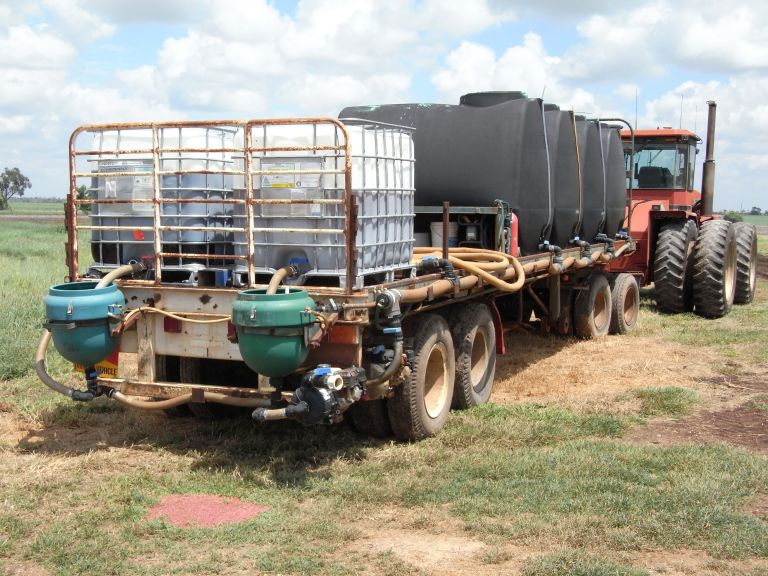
[578, 563]
[78, 481]
[666, 401]
[734, 342]
[31, 259]
[35, 208]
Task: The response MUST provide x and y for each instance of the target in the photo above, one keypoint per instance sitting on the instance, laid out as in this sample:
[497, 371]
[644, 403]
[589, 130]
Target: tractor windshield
[662, 164]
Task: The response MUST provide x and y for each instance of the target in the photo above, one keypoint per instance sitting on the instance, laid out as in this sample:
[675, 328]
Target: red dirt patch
[738, 425]
[203, 510]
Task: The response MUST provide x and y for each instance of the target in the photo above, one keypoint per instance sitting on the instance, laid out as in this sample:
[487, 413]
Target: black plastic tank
[481, 99]
[615, 179]
[593, 211]
[473, 155]
[564, 166]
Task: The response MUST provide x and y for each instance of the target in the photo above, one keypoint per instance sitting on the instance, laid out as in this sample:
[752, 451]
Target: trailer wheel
[370, 418]
[672, 267]
[746, 262]
[192, 371]
[167, 370]
[592, 308]
[625, 304]
[474, 339]
[420, 406]
[714, 267]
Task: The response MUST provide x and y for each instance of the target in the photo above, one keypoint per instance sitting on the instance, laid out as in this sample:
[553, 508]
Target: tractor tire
[167, 370]
[592, 308]
[474, 340]
[714, 269]
[421, 404]
[673, 267]
[625, 304]
[746, 262]
[370, 418]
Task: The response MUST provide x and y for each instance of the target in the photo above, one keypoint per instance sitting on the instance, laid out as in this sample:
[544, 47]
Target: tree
[82, 194]
[12, 183]
[755, 211]
[733, 216]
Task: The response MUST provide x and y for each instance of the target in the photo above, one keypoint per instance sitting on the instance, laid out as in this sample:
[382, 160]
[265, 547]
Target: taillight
[171, 325]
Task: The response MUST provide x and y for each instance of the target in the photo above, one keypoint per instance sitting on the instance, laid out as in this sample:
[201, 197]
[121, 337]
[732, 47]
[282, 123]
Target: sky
[64, 63]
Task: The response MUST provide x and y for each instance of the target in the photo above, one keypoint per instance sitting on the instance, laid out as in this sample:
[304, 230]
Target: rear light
[171, 325]
[231, 332]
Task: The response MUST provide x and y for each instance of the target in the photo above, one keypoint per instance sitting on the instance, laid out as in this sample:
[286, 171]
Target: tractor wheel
[592, 308]
[746, 262]
[625, 304]
[474, 339]
[370, 418]
[714, 269]
[672, 267]
[167, 370]
[421, 404]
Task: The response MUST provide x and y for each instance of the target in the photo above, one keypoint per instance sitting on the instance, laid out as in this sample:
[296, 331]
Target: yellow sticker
[108, 368]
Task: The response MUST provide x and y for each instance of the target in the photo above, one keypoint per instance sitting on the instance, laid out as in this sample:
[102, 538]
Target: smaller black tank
[592, 178]
[615, 179]
[564, 167]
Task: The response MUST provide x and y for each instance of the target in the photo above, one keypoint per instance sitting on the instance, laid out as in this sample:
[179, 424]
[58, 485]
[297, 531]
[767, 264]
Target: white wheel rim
[436, 381]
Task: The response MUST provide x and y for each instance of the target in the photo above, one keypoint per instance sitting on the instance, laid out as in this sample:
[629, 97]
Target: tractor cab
[664, 159]
[660, 169]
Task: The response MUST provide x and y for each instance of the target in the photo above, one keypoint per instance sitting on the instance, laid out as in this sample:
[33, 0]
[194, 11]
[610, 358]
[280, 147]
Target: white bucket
[421, 240]
[436, 228]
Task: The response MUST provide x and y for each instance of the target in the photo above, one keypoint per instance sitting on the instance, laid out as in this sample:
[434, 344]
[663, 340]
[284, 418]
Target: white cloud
[526, 67]
[14, 124]
[27, 48]
[78, 23]
[627, 91]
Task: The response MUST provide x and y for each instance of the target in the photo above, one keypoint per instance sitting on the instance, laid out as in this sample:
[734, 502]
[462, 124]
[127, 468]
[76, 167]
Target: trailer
[278, 266]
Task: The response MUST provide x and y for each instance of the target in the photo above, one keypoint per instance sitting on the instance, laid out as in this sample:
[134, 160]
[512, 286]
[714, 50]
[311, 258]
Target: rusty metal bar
[71, 214]
[156, 205]
[206, 256]
[164, 201]
[446, 222]
[248, 167]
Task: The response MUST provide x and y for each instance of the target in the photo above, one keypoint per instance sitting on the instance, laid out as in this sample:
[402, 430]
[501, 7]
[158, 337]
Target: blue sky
[69, 62]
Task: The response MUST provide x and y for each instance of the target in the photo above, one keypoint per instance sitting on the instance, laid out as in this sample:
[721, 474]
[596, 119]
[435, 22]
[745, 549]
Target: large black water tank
[489, 98]
[473, 155]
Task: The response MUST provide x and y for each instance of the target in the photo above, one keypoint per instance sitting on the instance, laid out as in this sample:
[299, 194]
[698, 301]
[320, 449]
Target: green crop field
[761, 220]
[629, 455]
[34, 207]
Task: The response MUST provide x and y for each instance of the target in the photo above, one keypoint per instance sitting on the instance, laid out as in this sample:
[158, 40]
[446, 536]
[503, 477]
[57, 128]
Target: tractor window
[662, 165]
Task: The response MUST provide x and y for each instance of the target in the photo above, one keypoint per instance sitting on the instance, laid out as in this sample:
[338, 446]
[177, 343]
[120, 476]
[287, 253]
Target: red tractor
[696, 261]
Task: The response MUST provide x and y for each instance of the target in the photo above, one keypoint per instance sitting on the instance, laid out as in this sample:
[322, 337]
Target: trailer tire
[370, 418]
[592, 308]
[714, 269]
[421, 404]
[192, 370]
[673, 267]
[474, 339]
[625, 304]
[167, 370]
[746, 262]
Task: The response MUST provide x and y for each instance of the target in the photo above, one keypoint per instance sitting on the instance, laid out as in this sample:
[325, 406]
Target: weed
[666, 401]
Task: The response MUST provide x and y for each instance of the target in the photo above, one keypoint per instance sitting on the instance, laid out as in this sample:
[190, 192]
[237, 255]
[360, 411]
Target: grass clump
[759, 402]
[666, 401]
[578, 563]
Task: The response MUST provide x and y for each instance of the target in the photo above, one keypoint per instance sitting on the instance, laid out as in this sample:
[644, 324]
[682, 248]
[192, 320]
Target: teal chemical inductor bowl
[78, 317]
[272, 329]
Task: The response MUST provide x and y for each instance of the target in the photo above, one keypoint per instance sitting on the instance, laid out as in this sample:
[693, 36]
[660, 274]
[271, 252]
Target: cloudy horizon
[71, 62]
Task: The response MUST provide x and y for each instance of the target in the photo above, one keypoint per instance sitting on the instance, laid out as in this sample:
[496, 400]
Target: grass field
[761, 220]
[34, 208]
[609, 457]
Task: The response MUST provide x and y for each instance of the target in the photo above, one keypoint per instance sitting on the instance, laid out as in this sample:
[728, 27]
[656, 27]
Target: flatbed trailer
[392, 347]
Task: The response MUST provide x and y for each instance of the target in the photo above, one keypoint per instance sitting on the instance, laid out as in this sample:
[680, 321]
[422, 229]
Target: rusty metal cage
[157, 209]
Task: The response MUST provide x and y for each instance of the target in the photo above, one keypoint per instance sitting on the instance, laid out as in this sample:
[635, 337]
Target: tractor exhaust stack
[708, 177]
